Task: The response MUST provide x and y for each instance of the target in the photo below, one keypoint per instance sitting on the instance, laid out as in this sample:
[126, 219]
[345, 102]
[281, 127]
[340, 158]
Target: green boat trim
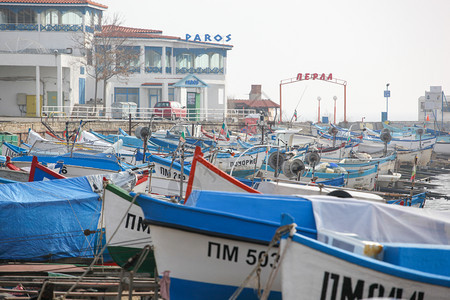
[121, 255]
[120, 192]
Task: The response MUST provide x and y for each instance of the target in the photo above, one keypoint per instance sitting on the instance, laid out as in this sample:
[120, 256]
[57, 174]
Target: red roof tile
[114, 28]
[128, 32]
[54, 2]
[255, 103]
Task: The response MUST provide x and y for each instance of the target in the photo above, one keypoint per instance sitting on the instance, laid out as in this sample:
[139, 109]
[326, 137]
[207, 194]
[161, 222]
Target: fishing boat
[204, 175]
[49, 220]
[442, 146]
[407, 156]
[77, 164]
[371, 257]
[231, 232]
[126, 234]
[363, 178]
[219, 247]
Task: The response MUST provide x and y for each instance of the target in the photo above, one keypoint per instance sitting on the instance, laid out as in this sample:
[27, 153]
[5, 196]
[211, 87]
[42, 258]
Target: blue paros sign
[208, 38]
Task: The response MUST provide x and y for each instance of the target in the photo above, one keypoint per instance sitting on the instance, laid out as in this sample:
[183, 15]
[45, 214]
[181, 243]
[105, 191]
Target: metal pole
[334, 121]
[280, 105]
[345, 103]
[129, 124]
[387, 98]
[181, 172]
[318, 113]
[442, 111]
[334, 98]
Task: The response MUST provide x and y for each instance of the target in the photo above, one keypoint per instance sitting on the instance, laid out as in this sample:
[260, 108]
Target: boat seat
[421, 257]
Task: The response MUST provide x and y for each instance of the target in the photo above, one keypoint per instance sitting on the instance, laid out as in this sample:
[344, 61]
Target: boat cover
[370, 221]
[383, 223]
[46, 220]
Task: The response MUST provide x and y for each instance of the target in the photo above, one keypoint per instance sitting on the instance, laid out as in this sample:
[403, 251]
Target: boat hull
[221, 264]
[132, 234]
[334, 274]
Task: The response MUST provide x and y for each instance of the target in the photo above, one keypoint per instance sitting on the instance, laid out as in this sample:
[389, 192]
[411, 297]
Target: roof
[61, 2]
[264, 103]
[128, 32]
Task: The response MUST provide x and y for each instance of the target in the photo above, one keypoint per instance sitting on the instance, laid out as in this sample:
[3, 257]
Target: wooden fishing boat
[126, 234]
[407, 156]
[217, 241]
[376, 263]
[231, 232]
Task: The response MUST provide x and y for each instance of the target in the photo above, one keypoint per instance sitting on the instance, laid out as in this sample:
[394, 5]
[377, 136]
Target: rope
[275, 267]
[102, 250]
[281, 231]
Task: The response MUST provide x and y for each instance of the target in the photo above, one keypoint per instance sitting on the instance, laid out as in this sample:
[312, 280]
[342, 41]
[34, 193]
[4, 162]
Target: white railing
[117, 113]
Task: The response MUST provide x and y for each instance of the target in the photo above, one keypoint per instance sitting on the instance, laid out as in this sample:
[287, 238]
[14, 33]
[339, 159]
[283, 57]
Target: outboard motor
[276, 160]
[293, 168]
[386, 137]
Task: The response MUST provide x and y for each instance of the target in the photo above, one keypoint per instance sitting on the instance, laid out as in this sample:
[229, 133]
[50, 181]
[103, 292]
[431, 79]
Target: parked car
[169, 110]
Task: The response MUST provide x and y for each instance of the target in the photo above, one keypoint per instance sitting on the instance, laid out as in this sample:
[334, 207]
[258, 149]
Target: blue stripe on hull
[194, 290]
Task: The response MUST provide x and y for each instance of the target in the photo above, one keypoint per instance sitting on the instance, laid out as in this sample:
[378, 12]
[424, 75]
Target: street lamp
[318, 114]
[387, 94]
[334, 98]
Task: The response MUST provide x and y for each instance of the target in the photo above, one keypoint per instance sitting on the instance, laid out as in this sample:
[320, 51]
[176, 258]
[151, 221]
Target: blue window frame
[126, 95]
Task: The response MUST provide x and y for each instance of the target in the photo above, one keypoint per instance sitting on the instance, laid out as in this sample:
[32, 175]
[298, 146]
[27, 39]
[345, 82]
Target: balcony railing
[115, 113]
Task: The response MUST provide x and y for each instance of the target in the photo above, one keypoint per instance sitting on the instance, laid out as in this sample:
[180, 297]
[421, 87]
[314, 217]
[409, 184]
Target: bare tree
[109, 53]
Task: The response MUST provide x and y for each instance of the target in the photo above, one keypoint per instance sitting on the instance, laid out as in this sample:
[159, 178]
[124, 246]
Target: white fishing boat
[126, 234]
[391, 252]
[442, 146]
[407, 156]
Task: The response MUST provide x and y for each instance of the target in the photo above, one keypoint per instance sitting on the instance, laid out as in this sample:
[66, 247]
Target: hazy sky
[367, 43]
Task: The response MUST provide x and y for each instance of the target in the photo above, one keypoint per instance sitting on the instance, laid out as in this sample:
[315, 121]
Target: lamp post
[334, 98]
[318, 113]
[387, 94]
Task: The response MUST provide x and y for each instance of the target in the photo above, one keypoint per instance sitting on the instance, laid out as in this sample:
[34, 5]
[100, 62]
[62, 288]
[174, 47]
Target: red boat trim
[198, 157]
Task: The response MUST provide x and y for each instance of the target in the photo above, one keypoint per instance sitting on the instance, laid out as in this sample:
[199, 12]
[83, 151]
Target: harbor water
[442, 182]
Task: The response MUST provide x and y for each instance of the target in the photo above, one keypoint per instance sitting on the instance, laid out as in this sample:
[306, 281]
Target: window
[202, 61]
[72, 17]
[50, 17]
[162, 104]
[27, 16]
[216, 61]
[96, 20]
[128, 56]
[7, 16]
[168, 57]
[87, 18]
[171, 94]
[153, 57]
[127, 95]
[185, 60]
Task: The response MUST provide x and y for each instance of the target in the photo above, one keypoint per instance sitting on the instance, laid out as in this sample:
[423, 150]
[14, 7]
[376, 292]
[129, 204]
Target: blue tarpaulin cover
[46, 220]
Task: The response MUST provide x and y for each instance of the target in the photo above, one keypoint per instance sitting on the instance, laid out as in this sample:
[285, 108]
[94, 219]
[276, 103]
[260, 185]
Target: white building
[434, 106]
[39, 56]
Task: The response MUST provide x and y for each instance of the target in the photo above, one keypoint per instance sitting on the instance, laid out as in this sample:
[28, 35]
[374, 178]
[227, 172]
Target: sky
[367, 43]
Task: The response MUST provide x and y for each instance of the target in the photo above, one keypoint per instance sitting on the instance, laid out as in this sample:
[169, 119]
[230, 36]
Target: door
[82, 90]
[31, 106]
[152, 100]
[52, 101]
[193, 106]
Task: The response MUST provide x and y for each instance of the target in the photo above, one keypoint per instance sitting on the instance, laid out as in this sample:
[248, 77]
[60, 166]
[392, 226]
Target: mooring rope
[281, 231]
